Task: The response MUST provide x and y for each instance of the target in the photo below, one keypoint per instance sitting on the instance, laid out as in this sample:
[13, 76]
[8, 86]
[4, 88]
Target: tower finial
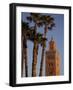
[52, 38]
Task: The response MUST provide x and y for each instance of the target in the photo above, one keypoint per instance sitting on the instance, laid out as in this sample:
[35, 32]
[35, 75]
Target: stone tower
[52, 60]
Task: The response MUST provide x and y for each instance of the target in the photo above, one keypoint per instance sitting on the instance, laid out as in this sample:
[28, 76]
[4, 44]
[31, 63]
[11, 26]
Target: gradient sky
[57, 33]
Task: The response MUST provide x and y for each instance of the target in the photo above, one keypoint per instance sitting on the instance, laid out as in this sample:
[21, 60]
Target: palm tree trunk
[34, 59]
[23, 61]
[24, 58]
[43, 53]
[34, 55]
[42, 61]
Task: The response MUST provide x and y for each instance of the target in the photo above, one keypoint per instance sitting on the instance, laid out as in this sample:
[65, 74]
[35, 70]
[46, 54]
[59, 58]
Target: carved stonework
[52, 60]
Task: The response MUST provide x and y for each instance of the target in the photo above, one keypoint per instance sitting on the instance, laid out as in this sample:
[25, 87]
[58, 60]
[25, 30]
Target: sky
[57, 33]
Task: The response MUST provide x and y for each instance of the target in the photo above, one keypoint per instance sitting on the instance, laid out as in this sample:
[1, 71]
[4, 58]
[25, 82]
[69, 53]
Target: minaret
[52, 60]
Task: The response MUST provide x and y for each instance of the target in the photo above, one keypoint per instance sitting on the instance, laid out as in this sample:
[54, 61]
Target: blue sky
[57, 33]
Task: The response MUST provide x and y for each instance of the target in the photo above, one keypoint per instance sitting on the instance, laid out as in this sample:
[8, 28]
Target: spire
[52, 38]
[52, 44]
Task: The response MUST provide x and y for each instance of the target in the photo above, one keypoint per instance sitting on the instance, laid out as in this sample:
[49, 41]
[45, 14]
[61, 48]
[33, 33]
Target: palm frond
[39, 24]
[51, 26]
[25, 25]
[35, 15]
[29, 18]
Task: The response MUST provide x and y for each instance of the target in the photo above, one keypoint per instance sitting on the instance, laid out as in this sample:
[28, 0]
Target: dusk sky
[57, 33]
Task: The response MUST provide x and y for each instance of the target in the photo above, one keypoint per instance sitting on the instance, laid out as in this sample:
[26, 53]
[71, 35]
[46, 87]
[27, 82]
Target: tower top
[52, 44]
[52, 39]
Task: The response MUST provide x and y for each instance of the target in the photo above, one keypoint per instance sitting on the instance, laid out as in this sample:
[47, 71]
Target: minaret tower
[52, 60]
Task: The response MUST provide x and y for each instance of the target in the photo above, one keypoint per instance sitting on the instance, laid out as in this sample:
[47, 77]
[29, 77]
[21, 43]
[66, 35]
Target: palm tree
[35, 17]
[27, 34]
[48, 23]
[25, 27]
